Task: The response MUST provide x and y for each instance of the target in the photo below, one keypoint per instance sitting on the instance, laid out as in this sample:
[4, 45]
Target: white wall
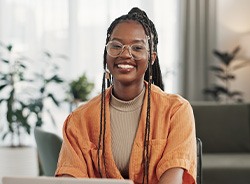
[233, 24]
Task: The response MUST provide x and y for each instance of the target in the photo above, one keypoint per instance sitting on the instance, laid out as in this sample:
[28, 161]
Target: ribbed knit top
[125, 116]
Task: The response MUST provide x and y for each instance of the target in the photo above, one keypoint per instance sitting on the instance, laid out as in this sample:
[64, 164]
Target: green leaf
[39, 122]
[10, 127]
[53, 99]
[236, 50]
[2, 100]
[10, 110]
[3, 86]
[4, 135]
[9, 47]
[4, 77]
[42, 89]
[47, 54]
[51, 117]
[5, 61]
[212, 92]
[221, 76]
[216, 69]
[230, 77]
[23, 65]
[55, 78]
[221, 89]
[81, 88]
[225, 77]
[225, 57]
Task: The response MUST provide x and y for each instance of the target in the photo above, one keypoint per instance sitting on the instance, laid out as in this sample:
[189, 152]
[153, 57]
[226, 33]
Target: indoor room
[63, 68]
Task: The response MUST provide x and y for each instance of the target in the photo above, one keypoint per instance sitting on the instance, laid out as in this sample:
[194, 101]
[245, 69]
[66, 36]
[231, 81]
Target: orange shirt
[172, 140]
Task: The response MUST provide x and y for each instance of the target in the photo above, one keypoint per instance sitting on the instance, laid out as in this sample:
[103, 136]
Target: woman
[133, 129]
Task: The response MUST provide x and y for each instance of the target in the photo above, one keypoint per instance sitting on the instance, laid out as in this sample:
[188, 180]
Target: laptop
[61, 180]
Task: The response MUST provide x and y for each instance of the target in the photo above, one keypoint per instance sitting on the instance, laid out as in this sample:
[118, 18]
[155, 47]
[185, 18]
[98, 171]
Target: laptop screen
[61, 180]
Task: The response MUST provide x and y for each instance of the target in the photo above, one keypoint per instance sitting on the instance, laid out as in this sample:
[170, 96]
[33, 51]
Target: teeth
[125, 66]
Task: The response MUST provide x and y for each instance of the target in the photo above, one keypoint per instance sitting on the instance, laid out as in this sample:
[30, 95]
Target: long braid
[101, 141]
[104, 133]
[152, 76]
[156, 70]
[101, 117]
[147, 127]
[156, 74]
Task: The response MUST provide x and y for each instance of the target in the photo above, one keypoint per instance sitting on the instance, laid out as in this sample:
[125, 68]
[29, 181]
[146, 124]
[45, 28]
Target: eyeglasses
[137, 51]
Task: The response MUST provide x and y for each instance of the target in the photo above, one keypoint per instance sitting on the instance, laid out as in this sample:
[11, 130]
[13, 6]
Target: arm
[71, 161]
[172, 176]
[180, 151]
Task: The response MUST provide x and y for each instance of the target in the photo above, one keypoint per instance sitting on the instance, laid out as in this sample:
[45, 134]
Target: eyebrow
[134, 41]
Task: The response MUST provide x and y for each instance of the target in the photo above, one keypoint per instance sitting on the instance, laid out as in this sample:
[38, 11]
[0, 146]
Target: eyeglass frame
[123, 49]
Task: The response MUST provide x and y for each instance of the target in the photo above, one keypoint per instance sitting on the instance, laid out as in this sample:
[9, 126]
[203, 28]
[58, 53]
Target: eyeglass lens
[115, 49]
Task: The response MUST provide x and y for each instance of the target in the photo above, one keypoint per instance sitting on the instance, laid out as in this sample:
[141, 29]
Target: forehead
[127, 30]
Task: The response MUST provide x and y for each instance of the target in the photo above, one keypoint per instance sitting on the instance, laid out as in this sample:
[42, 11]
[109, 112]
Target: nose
[126, 51]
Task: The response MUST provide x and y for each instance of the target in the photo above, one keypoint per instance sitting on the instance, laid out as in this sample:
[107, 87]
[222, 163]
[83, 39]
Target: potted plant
[79, 90]
[24, 94]
[12, 78]
[47, 77]
[26, 108]
[15, 158]
[224, 73]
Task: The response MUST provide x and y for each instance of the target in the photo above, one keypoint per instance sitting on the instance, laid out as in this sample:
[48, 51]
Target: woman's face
[125, 68]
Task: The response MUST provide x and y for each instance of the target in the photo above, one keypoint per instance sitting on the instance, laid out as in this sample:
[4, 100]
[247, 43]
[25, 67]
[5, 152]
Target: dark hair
[152, 76]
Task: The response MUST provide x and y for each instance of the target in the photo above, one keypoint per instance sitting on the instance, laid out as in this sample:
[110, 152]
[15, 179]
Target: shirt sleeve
[71, 160]
[180, 150]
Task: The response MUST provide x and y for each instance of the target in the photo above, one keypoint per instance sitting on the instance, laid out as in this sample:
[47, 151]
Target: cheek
[142, 67]
[110, 62]
[145, 65]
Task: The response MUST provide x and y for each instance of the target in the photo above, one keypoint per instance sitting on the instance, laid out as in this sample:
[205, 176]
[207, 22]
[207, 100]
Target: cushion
[226, 168]
[223, 127]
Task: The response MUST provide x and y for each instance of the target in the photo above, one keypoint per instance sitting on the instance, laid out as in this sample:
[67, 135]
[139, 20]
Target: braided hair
[152, 76]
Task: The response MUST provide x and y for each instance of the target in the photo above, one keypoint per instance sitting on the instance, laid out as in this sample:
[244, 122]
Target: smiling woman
[114, 133]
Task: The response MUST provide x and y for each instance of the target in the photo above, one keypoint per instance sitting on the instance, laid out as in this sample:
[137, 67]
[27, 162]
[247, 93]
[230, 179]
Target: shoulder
[85, 120]
[92, 105]
[89, 105]
[164, 98]
[167, 103]
[89, 111]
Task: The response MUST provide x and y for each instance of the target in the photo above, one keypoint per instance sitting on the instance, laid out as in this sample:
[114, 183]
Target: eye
[115, 45]
[138, 47]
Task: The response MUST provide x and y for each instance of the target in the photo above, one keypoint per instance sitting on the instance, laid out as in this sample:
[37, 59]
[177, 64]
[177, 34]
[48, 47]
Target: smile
[123, 66]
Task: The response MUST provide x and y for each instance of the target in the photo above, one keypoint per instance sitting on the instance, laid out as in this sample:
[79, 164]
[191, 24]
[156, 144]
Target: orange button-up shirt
[172, 140]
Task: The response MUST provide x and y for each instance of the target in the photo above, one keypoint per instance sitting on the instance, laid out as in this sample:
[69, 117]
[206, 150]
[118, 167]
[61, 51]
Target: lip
[125, 66]
[125, 62]
[124, 70]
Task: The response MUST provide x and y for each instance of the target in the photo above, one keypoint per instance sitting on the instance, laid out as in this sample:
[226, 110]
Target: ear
[153, 55]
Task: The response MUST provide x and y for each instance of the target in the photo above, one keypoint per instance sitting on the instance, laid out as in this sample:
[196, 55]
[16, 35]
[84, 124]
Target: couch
[225, 133]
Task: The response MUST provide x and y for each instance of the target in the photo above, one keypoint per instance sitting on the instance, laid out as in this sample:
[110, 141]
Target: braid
[102, 133]
[147, 127]
[152, 76]
[156, 74]
[101, 113]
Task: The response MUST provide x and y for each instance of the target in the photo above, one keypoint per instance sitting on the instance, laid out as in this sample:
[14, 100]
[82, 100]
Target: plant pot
[18, 161]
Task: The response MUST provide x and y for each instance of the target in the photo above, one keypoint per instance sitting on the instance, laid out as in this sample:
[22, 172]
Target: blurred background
[70, 35]
[48, 47]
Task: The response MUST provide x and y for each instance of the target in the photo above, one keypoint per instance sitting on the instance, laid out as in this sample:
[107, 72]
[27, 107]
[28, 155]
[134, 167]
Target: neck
[128, 92]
